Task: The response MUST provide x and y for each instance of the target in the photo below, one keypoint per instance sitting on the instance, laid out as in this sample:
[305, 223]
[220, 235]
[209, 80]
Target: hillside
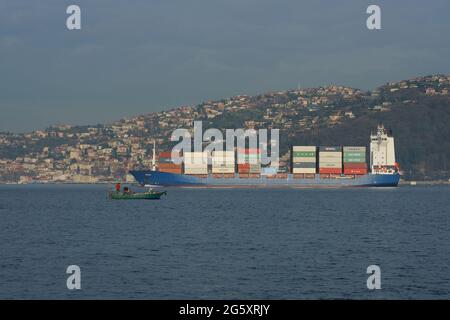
[417, 111]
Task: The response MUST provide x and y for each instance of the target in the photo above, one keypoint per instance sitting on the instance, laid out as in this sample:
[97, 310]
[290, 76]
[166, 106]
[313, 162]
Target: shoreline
[401, 183]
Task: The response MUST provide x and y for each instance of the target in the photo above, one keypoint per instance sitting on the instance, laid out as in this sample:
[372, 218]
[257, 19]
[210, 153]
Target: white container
[304, 170]
[354, 149]
[222, 170]
[195, 171]
[330, 154]
[330, 165]
[223, 154]
[303, 159]
[304, 148]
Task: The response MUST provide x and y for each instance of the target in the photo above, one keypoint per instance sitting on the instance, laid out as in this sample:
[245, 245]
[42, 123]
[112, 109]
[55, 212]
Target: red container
[243, 167]
[355, 165]
[165, 154]
[249, 151]
[169, 166]
[355, 171]
[330, 170]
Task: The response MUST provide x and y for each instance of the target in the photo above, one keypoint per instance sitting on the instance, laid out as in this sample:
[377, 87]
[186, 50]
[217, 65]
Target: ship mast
[154, 156]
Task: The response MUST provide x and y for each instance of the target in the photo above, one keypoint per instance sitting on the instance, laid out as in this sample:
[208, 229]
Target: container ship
[310, 167]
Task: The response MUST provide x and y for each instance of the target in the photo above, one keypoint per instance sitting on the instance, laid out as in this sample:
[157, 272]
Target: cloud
[143, 56]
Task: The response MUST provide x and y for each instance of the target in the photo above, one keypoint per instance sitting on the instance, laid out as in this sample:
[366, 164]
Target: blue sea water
[225, 244]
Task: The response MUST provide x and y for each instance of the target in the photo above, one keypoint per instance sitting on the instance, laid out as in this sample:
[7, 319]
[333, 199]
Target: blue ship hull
[164, 179]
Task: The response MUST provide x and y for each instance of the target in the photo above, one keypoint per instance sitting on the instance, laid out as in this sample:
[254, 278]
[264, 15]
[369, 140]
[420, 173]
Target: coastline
[401, 183]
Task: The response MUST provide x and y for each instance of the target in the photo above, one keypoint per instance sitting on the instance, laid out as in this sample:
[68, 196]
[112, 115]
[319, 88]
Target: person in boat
[126, 190]
[118, 187]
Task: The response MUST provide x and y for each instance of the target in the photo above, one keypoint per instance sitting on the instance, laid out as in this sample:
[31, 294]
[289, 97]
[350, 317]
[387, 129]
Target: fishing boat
[151, 195]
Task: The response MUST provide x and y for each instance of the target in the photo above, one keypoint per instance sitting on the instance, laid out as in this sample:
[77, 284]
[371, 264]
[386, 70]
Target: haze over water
[234, 244]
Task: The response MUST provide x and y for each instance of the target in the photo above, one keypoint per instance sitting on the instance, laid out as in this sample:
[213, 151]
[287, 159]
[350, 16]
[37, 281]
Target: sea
[225, 243]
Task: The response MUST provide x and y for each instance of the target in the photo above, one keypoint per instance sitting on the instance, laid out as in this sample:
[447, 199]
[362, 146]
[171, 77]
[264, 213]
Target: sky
[139, 56]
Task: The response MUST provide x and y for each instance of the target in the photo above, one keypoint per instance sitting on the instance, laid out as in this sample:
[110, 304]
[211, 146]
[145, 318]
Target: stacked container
[196, 163]
[330, 160]
[355, 160]
[165, 163]
[249, 161]
[223, 162]
[303, 159]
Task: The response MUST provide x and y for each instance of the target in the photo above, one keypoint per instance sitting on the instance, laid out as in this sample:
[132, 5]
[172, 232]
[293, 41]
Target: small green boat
[152, 195]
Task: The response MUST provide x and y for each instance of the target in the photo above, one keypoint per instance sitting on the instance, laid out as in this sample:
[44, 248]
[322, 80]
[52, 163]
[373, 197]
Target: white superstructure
[382, 152]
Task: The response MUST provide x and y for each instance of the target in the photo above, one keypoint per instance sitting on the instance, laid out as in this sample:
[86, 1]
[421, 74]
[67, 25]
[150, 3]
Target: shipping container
[195, 157]
[330, 149]
[195, 171]
[248, 156]
[304, 148]
[249, 151]
[354, 160]
[304, 170]
[165, 160]
[355, 171]
[354, 154]
[330, 154]
[223, 154]
[168, 166]
[165, 154]
[303, 159]
[330, 170]
[222, 170]
[304, 165]
[330, 165]
[355, 165]
[307, 154]
[222, 160]
[355, 149]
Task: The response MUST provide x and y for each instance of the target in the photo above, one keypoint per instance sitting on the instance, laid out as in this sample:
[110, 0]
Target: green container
[354, 160]
[302, 154]
[355, 154]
